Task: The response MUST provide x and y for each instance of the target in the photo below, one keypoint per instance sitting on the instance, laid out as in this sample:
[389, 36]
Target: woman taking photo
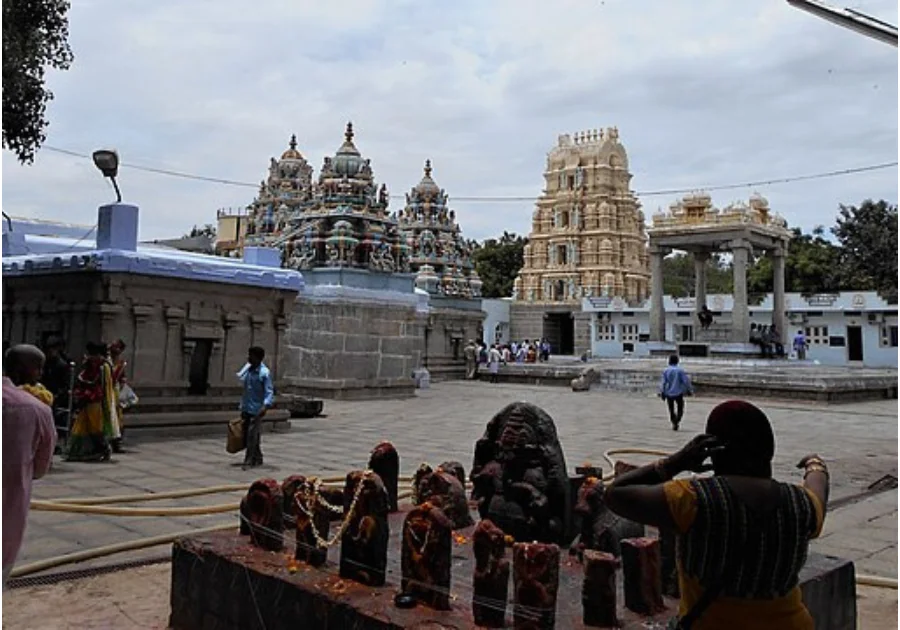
[742, 536]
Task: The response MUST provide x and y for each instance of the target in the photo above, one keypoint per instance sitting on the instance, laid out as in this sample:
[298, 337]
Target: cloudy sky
[703, 93]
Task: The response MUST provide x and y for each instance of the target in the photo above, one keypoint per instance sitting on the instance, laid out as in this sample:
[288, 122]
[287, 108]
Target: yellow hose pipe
[50, 506]
[108, 550]
[877, 581]
[152, 496]
[609, 456]
[174, 494]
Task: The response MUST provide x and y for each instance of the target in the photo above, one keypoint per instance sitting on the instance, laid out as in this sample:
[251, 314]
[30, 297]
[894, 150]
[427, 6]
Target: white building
[496, 320]
[848, 328]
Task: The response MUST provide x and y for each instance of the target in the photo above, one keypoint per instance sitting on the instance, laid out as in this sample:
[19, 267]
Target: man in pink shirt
[29, 437]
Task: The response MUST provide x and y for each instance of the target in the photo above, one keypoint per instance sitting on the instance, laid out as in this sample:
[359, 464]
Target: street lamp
[107, 161]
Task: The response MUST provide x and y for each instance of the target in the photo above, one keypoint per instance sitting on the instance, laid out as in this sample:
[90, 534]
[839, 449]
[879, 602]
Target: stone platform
[782, 379]
[222, 581]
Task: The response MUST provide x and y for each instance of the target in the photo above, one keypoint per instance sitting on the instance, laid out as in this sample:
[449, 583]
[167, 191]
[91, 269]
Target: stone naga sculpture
[288, 491]
[519, 475]
[536, 584]
[365, 529]
[385, 462]
[601, 529]
[425, 556]
[312, 524]
[443, 489]
[262, 515]
[490, 583]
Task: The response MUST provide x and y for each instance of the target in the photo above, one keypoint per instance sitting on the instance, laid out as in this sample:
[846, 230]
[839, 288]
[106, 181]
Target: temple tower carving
[587, 236]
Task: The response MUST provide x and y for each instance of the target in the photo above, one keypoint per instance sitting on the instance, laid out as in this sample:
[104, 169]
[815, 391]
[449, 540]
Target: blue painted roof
[153, 261]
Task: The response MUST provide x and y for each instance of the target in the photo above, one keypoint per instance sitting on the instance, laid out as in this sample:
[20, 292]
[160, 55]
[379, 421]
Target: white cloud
[703, 93]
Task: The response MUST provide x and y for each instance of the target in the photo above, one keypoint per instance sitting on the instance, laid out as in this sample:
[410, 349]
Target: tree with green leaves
[35, 37]
[812, 265]
[868, 254]
[678, 275]
[207, 230]
[498, 262]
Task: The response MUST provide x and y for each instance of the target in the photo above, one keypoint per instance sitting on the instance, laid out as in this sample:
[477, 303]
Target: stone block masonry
[354, 348]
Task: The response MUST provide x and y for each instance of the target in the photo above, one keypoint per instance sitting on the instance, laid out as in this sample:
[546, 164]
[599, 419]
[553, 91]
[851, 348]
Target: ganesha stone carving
[519, 475]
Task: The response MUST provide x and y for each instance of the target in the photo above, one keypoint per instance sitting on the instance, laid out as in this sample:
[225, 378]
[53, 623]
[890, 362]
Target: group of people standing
[478, 353]
[94, 395]
[100, 396]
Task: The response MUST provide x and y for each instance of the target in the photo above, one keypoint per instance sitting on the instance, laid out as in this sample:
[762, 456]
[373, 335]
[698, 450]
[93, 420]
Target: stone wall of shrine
[176, 331]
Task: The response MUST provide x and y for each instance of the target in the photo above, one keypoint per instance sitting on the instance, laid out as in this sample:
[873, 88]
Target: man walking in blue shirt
[258, 397]
[673, 388]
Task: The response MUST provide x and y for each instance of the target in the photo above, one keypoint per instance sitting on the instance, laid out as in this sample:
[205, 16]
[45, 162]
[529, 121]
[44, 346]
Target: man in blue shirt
[258, 397]
[673, 388]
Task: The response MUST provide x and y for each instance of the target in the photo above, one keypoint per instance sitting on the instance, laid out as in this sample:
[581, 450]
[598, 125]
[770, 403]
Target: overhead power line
[506, 198]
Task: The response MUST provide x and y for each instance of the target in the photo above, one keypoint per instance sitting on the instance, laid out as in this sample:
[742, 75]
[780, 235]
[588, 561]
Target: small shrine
[282, 196]
[440, 257]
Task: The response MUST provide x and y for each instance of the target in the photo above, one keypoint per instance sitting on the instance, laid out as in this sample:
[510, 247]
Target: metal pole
[71, 401]
[116, 186]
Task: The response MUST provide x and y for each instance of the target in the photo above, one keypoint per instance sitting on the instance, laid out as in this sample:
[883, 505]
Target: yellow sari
[97, 421]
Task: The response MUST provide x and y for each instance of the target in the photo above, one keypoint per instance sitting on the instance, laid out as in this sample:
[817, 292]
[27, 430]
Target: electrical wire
[506, 198]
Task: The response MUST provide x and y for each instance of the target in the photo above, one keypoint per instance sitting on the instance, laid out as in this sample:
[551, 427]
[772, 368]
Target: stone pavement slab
[858, 440]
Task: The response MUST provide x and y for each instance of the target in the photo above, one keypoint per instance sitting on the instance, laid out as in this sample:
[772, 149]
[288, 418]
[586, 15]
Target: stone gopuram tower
[587, 240]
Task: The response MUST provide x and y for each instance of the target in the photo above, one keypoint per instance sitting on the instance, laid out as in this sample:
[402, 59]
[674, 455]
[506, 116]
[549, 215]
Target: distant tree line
[862, 256]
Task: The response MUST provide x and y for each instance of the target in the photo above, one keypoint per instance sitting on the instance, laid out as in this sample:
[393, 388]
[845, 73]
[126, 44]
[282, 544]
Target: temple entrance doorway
[559, 330]
[199, 374]
[854, 343]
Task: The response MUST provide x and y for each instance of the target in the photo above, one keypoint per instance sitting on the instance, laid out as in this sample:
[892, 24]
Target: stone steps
[182, 424]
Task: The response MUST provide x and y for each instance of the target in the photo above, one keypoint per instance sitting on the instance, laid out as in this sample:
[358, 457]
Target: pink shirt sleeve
[44, 441]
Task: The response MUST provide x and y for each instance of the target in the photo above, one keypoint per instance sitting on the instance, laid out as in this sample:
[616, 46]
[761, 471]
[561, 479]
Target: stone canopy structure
[439, 255]
[694, 225]
[587, 236]
[342, 221]
[587, 240]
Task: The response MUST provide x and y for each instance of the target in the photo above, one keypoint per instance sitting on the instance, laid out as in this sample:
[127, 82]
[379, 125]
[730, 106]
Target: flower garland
[312, 497]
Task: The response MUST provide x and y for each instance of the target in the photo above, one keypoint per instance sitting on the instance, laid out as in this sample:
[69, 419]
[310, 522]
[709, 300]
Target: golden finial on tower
[427, 168]
[293, 142]
[348, 135]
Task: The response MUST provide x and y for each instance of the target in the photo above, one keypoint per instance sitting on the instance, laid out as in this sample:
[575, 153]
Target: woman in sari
[742, 536]
[96, 422]
[116, 350]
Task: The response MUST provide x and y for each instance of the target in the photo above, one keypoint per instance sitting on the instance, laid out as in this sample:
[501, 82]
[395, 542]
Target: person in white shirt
[494, 358]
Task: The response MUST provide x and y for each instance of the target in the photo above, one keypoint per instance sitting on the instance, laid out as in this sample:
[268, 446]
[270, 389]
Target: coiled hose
[95, 505]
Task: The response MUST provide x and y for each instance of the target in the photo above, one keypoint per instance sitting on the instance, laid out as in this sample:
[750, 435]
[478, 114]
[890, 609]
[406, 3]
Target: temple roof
[348, 161]
[292, 153]
[427, 186]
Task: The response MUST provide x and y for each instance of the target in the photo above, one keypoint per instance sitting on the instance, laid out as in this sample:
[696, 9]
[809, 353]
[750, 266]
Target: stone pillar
[778, 314]
[657, 305]
[187, 351]
[174, 368]
[700, 259]
[143, 365]
[740, 315]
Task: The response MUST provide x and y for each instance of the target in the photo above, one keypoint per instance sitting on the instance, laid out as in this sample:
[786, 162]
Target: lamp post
[107, 160]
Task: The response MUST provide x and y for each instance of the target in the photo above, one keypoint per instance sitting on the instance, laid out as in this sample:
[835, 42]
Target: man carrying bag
[258, 397]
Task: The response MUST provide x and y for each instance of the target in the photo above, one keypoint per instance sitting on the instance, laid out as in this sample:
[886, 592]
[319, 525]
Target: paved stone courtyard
[858, 440]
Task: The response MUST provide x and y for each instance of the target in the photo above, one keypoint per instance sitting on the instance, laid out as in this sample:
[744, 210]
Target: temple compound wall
[350, 338]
